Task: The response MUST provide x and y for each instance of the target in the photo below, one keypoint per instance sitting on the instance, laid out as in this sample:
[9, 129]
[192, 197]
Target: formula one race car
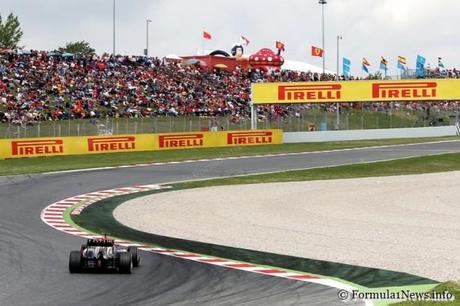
[103, 255]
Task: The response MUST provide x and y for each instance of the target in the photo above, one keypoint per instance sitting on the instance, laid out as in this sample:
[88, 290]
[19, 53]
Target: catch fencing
[299, 118]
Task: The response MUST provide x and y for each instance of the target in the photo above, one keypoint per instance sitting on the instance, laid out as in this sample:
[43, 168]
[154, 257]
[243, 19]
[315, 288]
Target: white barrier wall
[323, 136]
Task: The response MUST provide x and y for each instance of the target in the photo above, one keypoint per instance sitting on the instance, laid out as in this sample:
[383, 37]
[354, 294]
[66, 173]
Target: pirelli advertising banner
[54, 146]
[356, 91]
[218, 139]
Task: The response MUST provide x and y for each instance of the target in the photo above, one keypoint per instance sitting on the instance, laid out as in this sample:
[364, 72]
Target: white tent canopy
[303, 67]
[173, 57]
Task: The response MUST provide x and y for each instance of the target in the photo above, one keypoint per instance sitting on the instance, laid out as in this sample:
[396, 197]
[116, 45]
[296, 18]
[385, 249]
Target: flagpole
[323, 2]
[339, 37]
[202, 45]
[113, 27]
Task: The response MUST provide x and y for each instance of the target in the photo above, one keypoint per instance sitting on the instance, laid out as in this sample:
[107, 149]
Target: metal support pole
[147, 37]
[323, 2]
[113, 17]
[339, 37]
[338, 56]
[253, 117]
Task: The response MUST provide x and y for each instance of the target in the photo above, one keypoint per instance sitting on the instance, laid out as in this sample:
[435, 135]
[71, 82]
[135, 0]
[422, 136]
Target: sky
[370, 28]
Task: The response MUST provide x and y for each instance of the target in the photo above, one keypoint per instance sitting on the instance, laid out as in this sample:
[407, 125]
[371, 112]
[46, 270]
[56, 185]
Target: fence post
[391, 114]
[325, 118]
[456, 114]
[301, 122]
[8, 130]
[59, 129]
[78, 129]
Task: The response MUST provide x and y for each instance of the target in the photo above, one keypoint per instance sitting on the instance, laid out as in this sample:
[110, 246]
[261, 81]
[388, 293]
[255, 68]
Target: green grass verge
[418, 165]
[451, 287]
[46, 164]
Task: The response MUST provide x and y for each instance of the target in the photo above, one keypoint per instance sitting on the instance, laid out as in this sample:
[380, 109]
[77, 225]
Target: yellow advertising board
[356, 91]
[54, 146]
[218, 139]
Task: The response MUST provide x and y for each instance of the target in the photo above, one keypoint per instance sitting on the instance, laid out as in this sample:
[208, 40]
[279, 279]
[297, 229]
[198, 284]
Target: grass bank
[451, 287]
[418, 165]
[57, 163]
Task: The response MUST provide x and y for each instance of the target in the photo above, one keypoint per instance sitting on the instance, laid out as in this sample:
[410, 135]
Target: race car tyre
[75, 262]
[126, 263]
[135, 255]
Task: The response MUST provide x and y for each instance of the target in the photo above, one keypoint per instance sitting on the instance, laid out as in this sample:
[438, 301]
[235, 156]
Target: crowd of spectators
[47, 86]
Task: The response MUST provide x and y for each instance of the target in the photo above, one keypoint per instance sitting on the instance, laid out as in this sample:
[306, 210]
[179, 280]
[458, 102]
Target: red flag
[206, 35]
[279, 45]
[315, 51]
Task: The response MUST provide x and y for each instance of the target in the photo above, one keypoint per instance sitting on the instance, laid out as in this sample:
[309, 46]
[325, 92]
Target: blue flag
[420, 66]
[440, 64]
[365, 65]
[346, 67]
[383, 64]
[365, 69]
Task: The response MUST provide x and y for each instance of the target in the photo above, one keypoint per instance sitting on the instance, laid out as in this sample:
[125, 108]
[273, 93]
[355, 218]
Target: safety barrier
[350, 135]
[55, 146]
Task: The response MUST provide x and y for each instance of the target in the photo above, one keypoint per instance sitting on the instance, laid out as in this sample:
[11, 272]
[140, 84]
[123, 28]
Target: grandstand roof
[303, 67]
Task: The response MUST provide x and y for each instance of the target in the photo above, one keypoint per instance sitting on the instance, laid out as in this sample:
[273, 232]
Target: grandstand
[40, 86]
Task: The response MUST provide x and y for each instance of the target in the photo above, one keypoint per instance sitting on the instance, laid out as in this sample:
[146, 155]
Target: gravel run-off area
[404, 223]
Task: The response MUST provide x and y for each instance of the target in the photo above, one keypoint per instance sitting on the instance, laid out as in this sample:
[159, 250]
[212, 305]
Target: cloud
[369, 28]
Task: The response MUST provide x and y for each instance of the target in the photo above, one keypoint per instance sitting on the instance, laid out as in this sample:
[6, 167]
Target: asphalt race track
[34, 257]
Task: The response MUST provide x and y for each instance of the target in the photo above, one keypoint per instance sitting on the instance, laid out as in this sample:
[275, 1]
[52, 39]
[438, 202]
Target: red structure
[266, 59]
[211, 62]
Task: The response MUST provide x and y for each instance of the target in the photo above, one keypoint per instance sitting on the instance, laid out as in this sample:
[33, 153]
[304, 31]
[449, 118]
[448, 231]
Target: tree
[10, 32]
[376, 76]
[77, 47]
